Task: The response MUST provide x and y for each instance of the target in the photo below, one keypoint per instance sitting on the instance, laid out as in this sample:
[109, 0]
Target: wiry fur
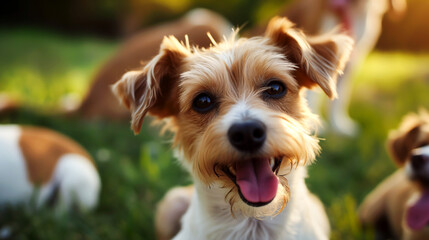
[235, 73]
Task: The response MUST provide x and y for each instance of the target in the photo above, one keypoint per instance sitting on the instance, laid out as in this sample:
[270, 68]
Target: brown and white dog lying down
[362, 19]
[243, 130]
[403, 198]
[47, 167]
[141, 47]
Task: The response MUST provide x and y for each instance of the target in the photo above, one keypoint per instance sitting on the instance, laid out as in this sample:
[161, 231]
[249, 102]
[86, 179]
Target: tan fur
[139, 90]
[236, 71]
[391, 197]
[388, 198]
[307, 14]
[170, 210]
[42, 149]
[100, 103]
[320, 57]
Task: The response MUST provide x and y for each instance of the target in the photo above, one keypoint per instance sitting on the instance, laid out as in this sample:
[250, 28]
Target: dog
[399, 206]
[43, 167]
[242, 129]
[362, 19]
[99, 102]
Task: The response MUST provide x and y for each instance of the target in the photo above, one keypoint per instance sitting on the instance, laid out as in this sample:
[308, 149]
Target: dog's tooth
[272, 162]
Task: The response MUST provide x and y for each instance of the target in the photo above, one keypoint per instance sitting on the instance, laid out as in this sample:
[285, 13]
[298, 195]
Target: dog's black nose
[247, 136]
[418, 161]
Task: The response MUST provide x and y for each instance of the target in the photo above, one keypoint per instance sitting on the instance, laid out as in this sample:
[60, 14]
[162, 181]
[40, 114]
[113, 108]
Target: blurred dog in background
[47, 167]
[399, 206]
[100, 102]
[362, 20]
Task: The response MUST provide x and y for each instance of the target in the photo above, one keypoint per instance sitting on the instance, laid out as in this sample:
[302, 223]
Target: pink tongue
[256, 180]
[418, 214]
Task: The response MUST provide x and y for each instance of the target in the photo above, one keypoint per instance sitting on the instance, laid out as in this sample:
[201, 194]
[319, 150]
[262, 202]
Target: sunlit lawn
[40, 68]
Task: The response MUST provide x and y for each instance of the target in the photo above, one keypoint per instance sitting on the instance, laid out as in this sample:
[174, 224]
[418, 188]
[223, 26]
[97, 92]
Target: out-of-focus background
[51, 50]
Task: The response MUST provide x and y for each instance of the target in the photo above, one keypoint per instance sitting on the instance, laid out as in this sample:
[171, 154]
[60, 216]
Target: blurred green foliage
[46, 65]
[40, 68]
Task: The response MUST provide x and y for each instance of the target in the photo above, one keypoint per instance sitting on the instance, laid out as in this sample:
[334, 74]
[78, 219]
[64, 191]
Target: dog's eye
[275, 89]
[203, 103]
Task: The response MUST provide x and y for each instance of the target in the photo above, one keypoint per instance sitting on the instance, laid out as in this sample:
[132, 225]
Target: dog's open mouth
[255, 179]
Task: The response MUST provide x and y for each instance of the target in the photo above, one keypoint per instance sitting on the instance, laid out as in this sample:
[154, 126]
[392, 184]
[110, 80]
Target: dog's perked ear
[154, 89]
[319, 59]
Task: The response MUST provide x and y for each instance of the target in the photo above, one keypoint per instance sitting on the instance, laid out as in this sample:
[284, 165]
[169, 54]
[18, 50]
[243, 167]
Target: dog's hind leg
[170, 211]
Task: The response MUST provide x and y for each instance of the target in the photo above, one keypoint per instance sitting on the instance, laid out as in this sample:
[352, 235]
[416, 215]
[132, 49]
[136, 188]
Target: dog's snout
[418, 161]
[247, 136]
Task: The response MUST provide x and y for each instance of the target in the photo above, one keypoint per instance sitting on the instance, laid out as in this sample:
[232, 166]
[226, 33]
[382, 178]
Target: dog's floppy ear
[319, 59]
[154, 88]
[400, 144]
[402, 141]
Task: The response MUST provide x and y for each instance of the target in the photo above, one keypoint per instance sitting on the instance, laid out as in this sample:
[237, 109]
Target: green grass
[39, 68]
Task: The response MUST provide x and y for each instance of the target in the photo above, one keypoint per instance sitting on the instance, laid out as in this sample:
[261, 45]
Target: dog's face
[237, 109]
[409, 147]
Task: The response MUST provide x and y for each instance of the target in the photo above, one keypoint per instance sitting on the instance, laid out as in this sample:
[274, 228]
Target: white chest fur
[209, 217]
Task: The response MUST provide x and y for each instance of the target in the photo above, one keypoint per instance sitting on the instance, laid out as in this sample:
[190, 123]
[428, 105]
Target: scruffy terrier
[399, 206]
[242, 128]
